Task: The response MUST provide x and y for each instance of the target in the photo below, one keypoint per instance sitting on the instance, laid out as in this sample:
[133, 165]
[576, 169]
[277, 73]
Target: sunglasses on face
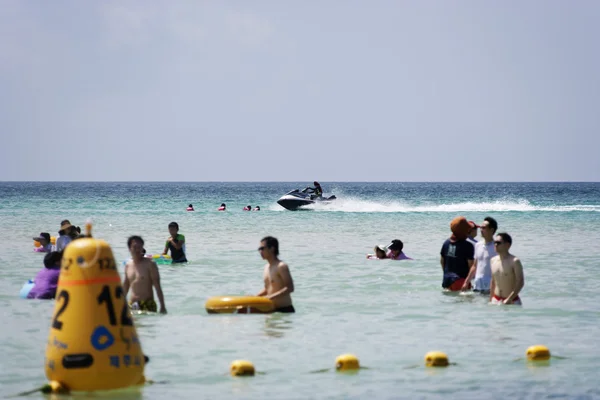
[498, 243]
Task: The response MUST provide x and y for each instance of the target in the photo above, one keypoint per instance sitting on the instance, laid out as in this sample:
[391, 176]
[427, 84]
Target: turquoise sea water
[388, 313]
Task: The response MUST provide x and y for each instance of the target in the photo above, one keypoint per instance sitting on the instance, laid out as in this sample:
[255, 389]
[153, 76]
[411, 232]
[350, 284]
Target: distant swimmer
[457, 256]
[257, 208]
[142, 276]
[190, 208]
[395, 251]
[507, 273]
[379, 253]
[176, 244]
[248, 208]
[277, 277]
[484, 251]
[65, 235]
[45, 243]
[317, 190]
[222, 207]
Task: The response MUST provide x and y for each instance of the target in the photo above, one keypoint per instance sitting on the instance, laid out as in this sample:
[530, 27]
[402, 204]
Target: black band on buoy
[83, 360]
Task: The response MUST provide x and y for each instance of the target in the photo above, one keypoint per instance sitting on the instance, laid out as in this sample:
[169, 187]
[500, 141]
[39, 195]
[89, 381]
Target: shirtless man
[507, 273]
[277, 277]
[141, 274]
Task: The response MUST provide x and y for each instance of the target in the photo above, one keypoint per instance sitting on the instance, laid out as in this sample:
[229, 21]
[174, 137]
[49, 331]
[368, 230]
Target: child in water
[175, 243]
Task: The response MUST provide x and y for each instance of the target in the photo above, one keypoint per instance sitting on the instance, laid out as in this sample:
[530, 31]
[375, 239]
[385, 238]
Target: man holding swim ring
[507, 273]
[277, 277]
[141, 275]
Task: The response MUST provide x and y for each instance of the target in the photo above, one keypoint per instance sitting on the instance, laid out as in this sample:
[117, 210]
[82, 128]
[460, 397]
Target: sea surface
[388, 313]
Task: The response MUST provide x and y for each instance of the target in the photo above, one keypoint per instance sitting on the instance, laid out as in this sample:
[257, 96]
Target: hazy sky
[284, 91]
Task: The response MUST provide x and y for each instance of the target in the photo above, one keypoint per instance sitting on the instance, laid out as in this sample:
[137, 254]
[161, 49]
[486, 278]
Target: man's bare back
[275, 276]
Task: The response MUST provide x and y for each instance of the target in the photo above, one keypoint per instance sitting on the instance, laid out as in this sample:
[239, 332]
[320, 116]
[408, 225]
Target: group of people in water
[484, 266]
[223, 207]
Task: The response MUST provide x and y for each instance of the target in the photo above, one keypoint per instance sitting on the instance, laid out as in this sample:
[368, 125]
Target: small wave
[365, 206]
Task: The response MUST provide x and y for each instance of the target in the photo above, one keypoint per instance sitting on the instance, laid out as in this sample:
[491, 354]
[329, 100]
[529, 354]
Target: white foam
[354, 205]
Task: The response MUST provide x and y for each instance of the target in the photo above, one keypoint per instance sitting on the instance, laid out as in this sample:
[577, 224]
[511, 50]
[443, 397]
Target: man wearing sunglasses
[278, 280]
[484, 251]
[507, 273]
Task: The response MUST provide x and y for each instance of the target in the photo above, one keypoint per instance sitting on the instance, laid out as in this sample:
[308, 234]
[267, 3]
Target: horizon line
[334, 181]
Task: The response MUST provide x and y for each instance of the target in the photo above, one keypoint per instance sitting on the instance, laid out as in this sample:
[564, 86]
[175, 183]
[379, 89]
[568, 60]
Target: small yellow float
[239, 305]
[38, 244]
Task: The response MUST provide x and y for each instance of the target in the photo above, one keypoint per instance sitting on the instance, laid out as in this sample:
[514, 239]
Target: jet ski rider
[317, 190]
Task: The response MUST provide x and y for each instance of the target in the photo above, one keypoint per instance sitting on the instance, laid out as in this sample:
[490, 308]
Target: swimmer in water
[142, 276]
[507, 273]
[379, 253]
[276, 275]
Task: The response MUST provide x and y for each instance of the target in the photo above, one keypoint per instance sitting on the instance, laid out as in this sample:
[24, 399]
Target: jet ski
[296, 199]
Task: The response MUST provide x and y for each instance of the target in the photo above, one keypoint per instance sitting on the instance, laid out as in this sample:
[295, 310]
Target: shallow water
[388, 313]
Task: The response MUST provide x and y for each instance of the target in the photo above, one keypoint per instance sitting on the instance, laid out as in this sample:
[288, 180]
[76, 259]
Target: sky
[424, 90]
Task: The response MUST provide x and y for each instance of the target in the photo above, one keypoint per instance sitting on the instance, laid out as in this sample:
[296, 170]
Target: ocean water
[388, 313]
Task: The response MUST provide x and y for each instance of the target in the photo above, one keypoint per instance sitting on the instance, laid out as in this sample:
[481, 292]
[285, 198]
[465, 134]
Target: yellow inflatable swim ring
[38, 244]
[239, 305]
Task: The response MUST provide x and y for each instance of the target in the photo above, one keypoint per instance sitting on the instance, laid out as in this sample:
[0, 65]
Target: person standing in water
[175, 243]
[141, 276]
[484, 251]
[278, 280]
[456, 256]
[507, 273]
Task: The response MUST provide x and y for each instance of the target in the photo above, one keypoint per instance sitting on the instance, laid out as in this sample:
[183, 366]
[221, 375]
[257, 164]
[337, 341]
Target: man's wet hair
[132, 238]
[505, 237]
[492, 223]
[174, 225]
[271, 243]
[396, 245]
[52, 259]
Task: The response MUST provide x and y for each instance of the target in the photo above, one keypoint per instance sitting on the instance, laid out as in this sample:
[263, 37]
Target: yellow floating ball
[242, 368]
[538, 353]
[436, 359]
[347, 362]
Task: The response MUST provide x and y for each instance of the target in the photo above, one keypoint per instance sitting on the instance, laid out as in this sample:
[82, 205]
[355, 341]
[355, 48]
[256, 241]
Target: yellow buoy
[242, 368]
[436, 359]
[347, 362]
[538, 353]
[93, 344]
